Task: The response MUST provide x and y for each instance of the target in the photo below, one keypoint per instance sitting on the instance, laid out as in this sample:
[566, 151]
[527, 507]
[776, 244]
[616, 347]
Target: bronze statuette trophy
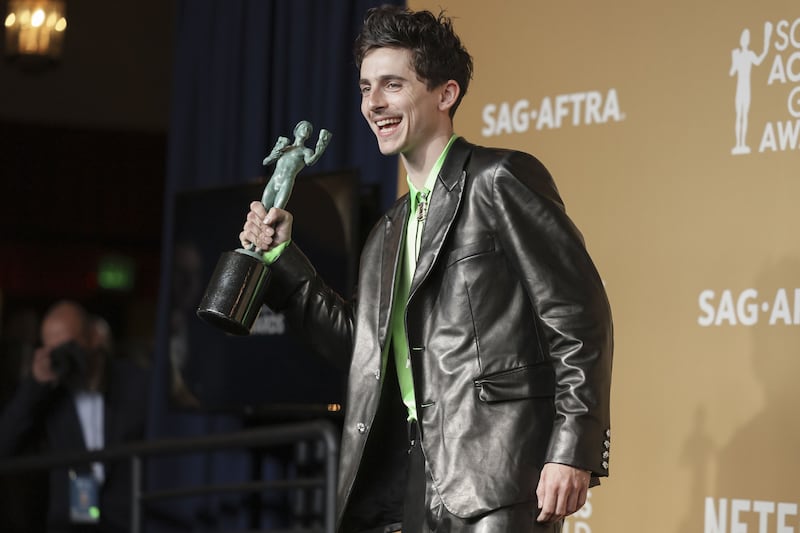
[235, 292]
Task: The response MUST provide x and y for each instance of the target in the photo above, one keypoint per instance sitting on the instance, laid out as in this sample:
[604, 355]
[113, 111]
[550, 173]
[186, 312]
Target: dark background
[269, 373]
[83, 148]
[150, 100]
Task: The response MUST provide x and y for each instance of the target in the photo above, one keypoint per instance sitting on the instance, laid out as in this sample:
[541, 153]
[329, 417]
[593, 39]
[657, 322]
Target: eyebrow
[384, 78]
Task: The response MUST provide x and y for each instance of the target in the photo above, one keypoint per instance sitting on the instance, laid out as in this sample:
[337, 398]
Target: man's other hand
[561, 491]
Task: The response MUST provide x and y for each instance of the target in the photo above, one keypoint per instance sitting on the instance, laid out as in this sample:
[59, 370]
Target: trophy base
[235, 292]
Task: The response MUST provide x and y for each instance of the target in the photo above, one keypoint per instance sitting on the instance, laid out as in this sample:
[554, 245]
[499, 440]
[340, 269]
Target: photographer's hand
[41, 368]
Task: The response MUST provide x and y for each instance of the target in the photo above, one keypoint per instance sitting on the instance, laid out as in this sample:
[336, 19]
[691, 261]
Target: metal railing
[323, 430]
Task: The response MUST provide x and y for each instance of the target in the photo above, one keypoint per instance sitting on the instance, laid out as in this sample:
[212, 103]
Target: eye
[364, 90]
[393, 86]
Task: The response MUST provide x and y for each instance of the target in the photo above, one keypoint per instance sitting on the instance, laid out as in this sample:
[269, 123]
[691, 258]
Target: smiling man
[480, 340]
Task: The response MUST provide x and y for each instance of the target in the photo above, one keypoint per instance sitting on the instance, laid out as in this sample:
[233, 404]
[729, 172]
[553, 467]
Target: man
[79, 399]
[480, 340]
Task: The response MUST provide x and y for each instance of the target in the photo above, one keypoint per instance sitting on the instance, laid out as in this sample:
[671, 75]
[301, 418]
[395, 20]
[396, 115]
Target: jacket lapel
[442, 211]
[394, 227]
[64, 425]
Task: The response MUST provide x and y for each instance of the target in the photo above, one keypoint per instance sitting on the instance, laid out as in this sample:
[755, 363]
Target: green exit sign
[115, 272]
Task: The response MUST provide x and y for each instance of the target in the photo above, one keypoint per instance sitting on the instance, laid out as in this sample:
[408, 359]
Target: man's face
[402, 112]
[61, 328]
[65, 323]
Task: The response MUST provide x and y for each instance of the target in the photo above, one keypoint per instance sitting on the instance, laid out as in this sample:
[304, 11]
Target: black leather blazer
[508, 324]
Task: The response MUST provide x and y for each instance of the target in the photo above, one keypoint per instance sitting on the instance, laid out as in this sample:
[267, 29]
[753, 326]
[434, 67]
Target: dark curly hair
[437, 54]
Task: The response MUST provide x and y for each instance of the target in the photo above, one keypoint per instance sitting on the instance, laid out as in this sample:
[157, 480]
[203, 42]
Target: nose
[375, 100]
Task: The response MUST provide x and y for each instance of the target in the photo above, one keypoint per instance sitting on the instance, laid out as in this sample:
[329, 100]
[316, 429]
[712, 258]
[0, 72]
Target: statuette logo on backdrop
[552, 112]
[781, 49]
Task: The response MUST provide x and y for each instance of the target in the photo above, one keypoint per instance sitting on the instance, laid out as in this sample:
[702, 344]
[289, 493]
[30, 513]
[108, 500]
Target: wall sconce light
[35, 31]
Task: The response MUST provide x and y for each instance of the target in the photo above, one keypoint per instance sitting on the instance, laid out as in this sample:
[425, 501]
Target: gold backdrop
[673, 132]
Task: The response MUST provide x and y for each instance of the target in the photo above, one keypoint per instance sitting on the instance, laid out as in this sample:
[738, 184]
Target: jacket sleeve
[23, 414]
[321, 317]
[574, 325]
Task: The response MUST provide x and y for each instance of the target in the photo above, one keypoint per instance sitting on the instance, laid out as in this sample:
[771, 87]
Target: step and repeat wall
[673, 132]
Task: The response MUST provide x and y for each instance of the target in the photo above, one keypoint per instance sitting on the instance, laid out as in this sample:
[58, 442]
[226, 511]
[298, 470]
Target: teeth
[387, 122]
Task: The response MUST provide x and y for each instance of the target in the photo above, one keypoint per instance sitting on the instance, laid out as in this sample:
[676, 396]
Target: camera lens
[68, 360]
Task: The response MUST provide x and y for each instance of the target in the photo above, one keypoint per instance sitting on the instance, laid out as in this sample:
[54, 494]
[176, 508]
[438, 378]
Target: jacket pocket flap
[482, 246]
[533, 381]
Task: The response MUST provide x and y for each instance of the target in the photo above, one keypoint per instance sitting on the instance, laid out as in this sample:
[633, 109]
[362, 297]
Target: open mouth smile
[386, 125]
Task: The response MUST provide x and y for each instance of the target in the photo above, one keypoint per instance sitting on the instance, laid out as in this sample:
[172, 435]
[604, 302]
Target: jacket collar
[445, 199]
[454, 165]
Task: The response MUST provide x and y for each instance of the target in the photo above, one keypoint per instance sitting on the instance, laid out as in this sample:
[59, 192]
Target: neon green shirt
[273, 255]
[408, 264]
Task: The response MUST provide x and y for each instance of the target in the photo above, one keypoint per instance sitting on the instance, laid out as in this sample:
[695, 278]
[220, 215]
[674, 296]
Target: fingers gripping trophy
[234, 294]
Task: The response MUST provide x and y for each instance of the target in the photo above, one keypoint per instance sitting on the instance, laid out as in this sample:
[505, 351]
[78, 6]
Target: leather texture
[509, 329]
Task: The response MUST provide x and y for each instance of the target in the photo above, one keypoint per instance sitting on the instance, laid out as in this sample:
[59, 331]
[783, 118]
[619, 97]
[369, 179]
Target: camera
[68, 361]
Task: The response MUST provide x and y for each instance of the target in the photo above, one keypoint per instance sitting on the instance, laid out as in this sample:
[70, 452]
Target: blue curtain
[246, 72]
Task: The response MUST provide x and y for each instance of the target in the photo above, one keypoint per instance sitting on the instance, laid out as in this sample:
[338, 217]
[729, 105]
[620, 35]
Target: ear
[448, 92]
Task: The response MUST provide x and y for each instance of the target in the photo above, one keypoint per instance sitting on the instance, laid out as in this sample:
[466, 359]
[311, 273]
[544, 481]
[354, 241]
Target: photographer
[78, 398]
